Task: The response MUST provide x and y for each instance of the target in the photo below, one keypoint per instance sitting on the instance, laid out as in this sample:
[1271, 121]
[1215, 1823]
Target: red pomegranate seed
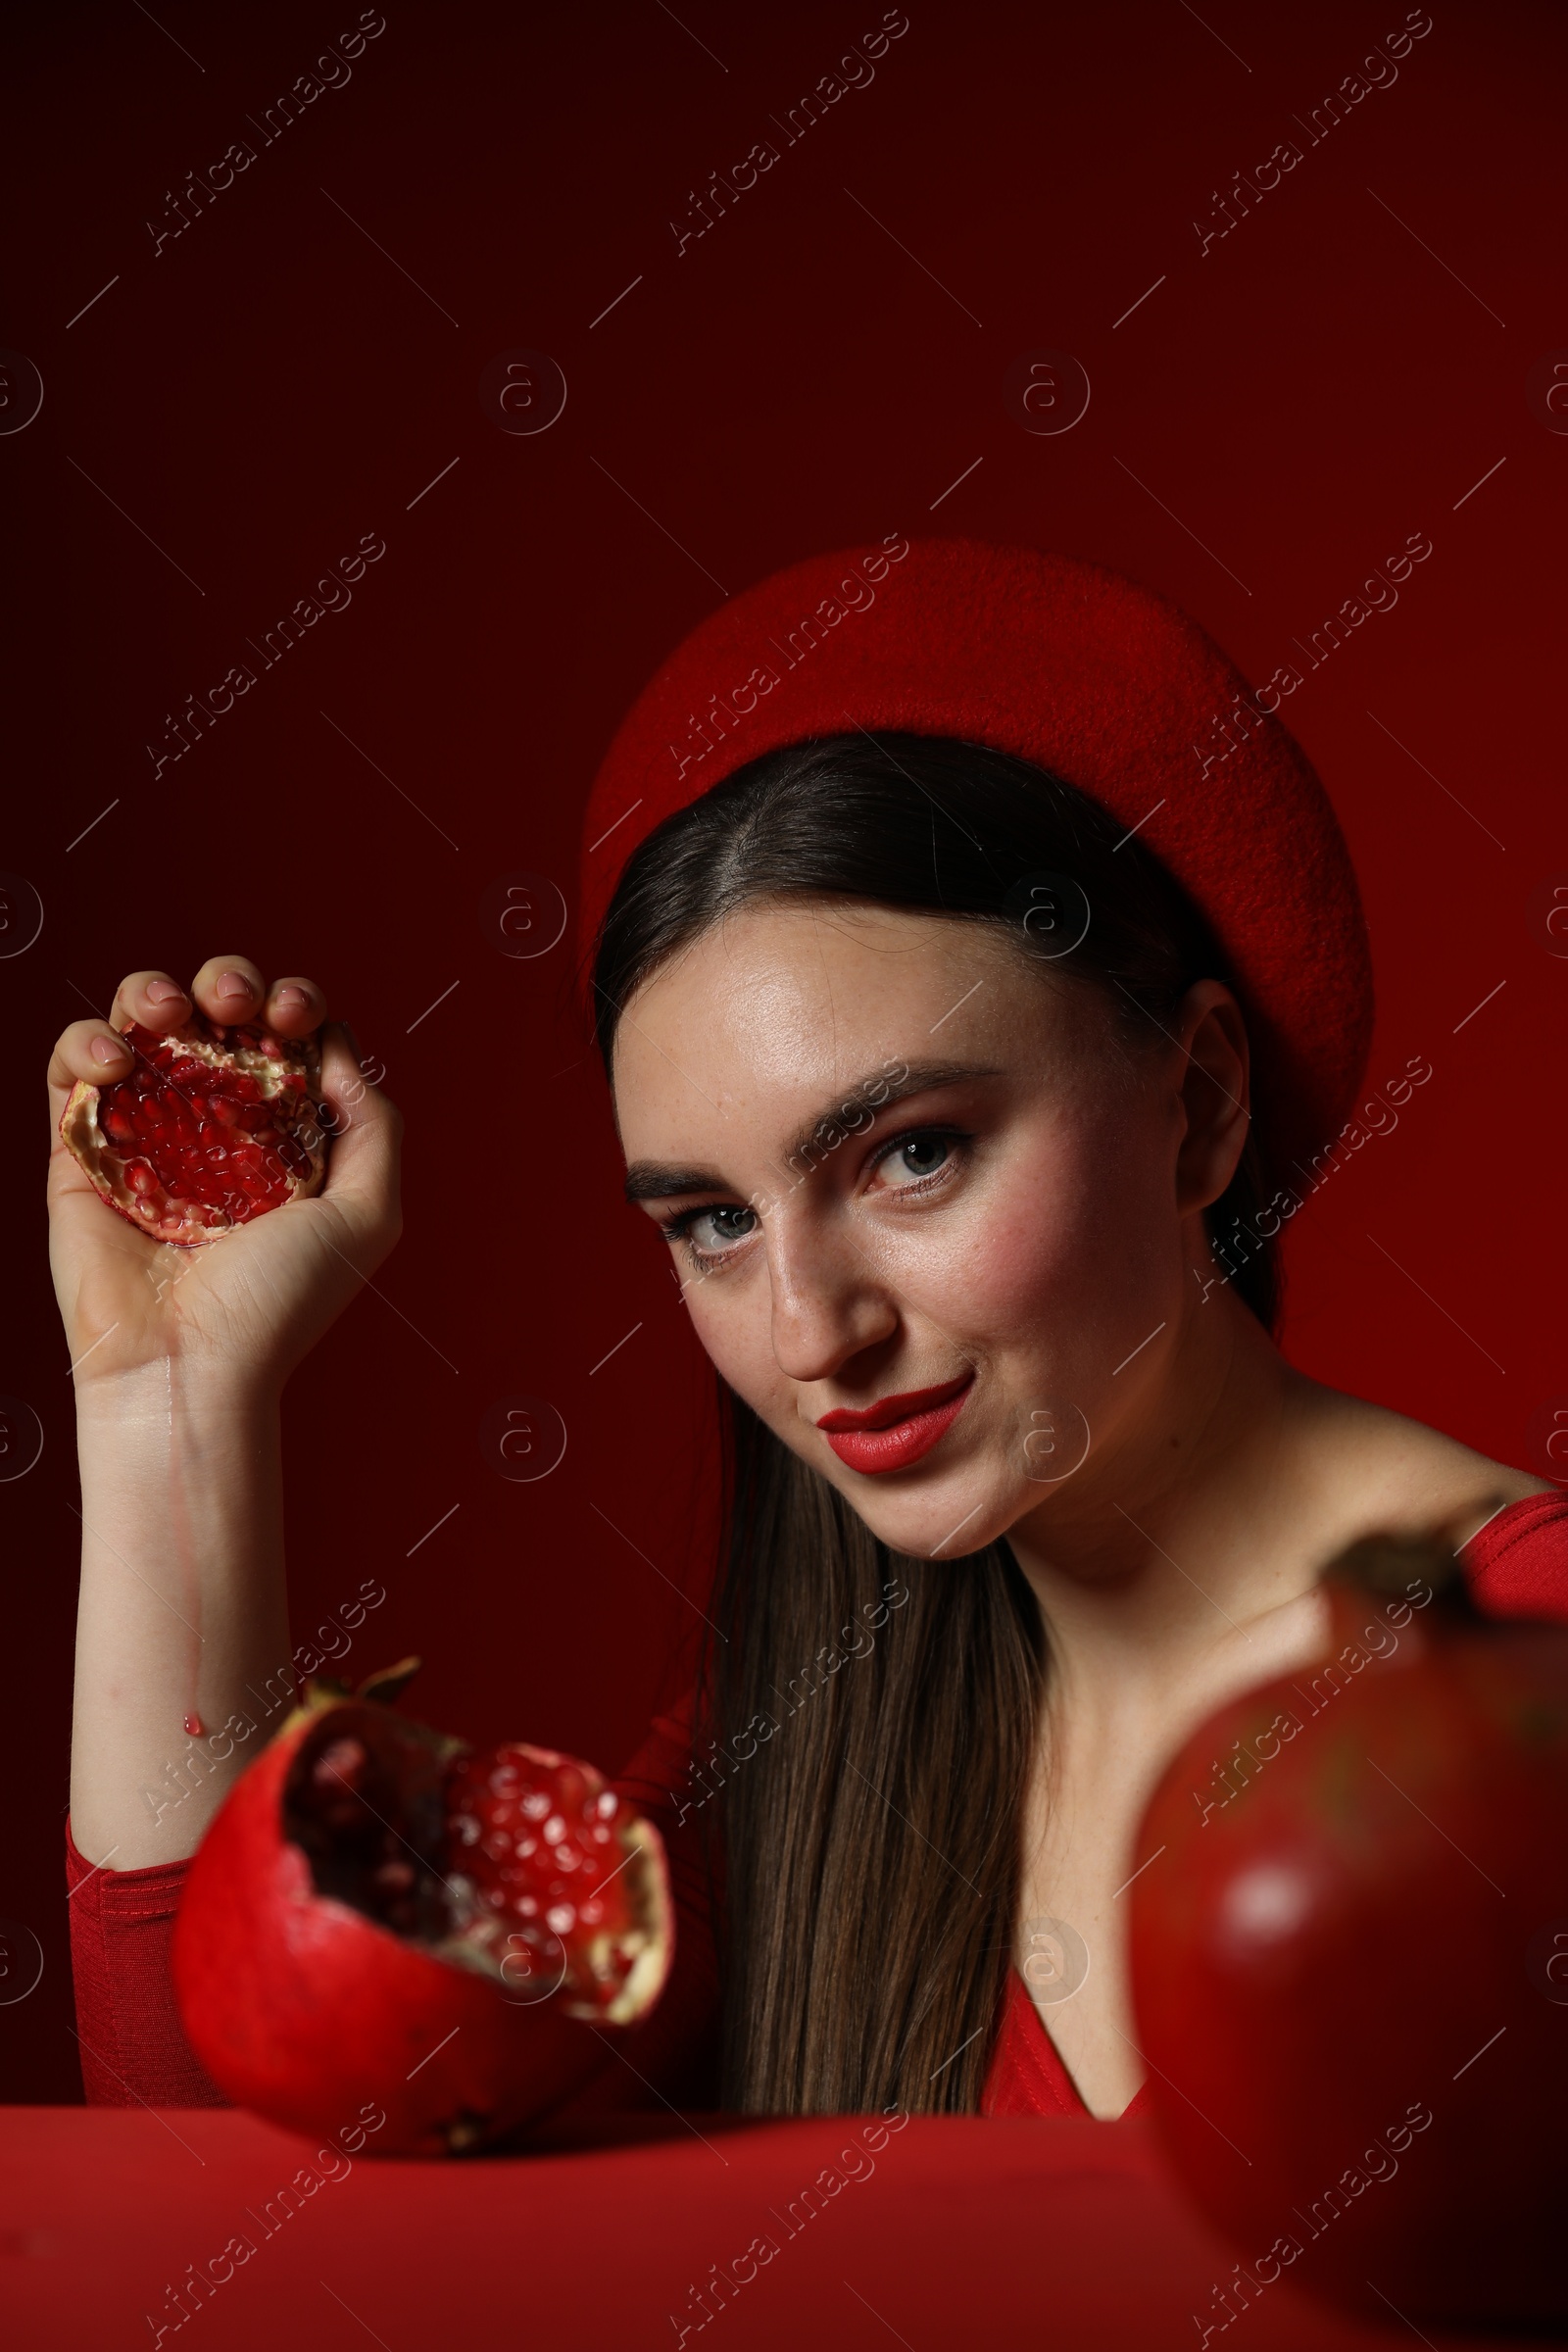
[207, 1130]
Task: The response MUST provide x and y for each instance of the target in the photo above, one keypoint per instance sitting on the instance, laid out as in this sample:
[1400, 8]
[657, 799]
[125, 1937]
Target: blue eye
[921, 1155]
[710, 1235]
[712, 1229]
[912, 1159]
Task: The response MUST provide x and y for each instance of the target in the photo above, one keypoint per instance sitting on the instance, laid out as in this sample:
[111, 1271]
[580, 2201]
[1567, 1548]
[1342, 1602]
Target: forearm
[182, 1612]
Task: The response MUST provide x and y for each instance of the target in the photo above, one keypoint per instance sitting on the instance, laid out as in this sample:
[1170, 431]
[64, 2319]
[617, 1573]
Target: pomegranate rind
[305, 2010]
[276, 1067]
[1311, 1954]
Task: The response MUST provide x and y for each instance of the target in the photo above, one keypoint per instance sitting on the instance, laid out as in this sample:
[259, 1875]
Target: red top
[133, 2049]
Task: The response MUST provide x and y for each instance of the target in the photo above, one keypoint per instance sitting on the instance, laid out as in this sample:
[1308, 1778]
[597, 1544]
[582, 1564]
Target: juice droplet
[195, 1726]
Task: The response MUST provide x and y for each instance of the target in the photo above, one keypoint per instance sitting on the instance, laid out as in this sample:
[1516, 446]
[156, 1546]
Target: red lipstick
[896, 1430]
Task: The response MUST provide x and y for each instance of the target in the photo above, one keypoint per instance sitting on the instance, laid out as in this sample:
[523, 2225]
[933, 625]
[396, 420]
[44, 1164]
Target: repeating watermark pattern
[1546, 1436]
[529, 1973]
[855, 71]
[859, 1643]
[332, 72]
[189, 2296]
[852, 1117]
[1231, 1250]
[1231, 729]
[855, 593]
[522, 391]
[20, 1962]
[1548, 913]
[523, 916]
[1052, 910]
[523, 1437]
[21, 915]
[20, 1438]
[1545, 391]
[1378, 593]
[1379, 1115]
[1056, 1961]
[1378, 1640]
[1056, 1443]
[1378, 71]
[1046, 391]
[1379, 2162]
[1546, 1961]
[205, 1752]
[855, 2165]
[20, 392]
[334, 594]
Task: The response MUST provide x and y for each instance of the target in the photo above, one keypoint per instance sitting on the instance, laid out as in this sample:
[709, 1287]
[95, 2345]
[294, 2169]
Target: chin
[943, 1519]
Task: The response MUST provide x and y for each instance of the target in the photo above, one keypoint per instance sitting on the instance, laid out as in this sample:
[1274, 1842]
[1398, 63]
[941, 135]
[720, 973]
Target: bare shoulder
[1377, 1468]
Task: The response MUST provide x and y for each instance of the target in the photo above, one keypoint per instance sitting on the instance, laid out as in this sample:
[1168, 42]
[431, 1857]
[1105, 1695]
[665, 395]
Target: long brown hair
[866, 1720]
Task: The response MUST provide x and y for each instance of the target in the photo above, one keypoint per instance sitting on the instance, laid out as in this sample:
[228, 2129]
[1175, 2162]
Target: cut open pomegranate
[213, 1127]
[540, 1855]
[362, 1922]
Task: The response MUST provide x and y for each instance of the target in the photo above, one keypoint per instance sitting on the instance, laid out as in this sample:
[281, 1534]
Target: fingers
[361, 1179]
[227, 989]
[153, 999]
[357, 1103]
[230, 988]
[294, 1007]
[90, 1051]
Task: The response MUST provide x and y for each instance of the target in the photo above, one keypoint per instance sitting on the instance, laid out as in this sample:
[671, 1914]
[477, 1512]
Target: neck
[1172, 1534]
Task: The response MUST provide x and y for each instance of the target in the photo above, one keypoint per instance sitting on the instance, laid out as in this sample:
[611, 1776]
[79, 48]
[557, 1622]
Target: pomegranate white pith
[541, 1853]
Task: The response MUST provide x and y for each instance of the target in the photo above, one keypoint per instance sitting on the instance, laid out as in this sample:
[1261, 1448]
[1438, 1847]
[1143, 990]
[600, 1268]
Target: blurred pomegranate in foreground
[1350, 1961]
[377, 1914]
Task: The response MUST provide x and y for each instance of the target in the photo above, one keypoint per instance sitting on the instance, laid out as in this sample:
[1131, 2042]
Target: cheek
[1069, 1236]
[733, 1323]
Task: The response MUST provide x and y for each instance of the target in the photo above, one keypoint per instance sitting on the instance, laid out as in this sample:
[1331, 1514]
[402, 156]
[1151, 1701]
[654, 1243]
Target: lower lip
[906, 1442]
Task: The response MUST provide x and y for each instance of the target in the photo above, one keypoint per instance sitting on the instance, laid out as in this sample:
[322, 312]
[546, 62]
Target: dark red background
[270, 386]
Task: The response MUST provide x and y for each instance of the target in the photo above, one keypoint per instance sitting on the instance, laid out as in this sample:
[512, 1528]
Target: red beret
[1083, 672]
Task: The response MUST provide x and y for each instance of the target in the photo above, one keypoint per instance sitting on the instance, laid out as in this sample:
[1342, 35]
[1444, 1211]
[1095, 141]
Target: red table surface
[958, 2232]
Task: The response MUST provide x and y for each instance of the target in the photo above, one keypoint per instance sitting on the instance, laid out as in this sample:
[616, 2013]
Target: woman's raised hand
[252, 1302]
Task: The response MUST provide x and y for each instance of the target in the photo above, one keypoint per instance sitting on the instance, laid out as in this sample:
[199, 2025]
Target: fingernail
[163, 992]
[232, 984]
[106, 1048]
[293, 1000]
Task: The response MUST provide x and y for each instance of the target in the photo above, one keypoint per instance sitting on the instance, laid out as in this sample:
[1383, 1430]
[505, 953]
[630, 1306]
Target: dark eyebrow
[664, 1179]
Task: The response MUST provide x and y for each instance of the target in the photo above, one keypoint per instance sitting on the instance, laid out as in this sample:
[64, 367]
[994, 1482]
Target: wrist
[181, 1388]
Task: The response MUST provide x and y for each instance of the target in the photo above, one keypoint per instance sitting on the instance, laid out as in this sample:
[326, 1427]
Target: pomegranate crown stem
[1384, 1565]
[381, 1688]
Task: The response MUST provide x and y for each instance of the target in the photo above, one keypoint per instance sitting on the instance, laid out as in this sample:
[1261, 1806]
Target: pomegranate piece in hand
[214, 1126]
[555, 1870]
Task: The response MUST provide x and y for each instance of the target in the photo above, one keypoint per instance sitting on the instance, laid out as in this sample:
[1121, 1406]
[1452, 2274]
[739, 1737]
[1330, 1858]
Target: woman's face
[897, 1159]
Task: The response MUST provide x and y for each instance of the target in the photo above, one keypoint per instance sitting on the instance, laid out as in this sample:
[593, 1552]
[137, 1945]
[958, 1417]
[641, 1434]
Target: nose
[828, 1302]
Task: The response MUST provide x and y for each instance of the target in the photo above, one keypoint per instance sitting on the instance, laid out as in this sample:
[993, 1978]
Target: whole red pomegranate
[212, 1126]
[378, 1915]
[1350, 1959]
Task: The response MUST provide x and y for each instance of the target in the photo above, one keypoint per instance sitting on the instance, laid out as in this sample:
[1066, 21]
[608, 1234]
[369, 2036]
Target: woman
[981, 979]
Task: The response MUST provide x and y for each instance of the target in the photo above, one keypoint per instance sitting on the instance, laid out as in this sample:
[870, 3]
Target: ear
[1214, 1086]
